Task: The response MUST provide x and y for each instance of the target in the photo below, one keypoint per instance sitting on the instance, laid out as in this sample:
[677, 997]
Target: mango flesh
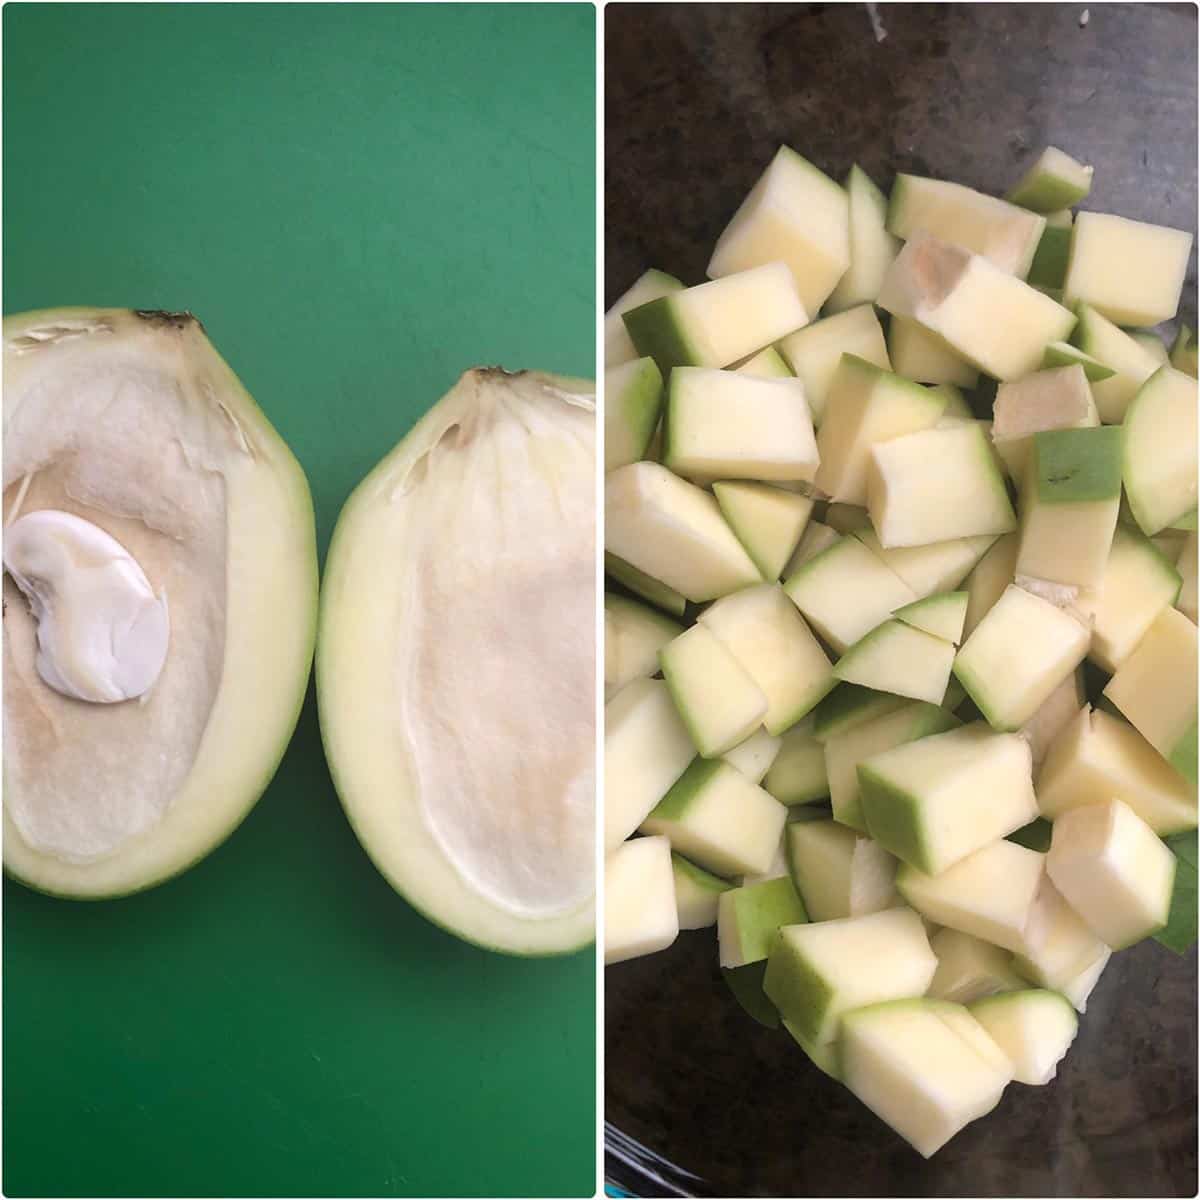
[133, 421]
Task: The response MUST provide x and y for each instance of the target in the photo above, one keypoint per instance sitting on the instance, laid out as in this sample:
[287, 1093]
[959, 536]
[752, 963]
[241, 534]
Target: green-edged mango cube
[1155, 690]
[925, 1067]
[934, 801]
[717, 818]
[633, 394]
[817, 972]
[749, 917]
[1069, 501]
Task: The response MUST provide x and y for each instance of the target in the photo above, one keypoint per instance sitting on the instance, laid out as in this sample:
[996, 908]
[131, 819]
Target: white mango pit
[102, 633]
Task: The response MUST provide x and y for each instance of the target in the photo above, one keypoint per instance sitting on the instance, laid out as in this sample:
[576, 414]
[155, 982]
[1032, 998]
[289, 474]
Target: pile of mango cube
[900, 654]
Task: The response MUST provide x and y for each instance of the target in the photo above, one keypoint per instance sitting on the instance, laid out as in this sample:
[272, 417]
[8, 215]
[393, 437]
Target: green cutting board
[359, 202]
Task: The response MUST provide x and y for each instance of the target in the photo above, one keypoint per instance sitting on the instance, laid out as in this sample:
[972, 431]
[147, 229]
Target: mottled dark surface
[694, 1079]
[698, 98]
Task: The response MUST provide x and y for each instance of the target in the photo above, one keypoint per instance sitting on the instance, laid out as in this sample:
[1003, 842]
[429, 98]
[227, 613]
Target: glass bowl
[700, 1099]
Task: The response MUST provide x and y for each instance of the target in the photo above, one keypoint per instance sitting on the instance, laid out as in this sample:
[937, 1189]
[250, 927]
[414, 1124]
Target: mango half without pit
[456, 667]
[160, 598]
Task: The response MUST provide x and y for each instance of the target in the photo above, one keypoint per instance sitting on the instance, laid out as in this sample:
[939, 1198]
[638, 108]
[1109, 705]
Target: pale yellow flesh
[634, 633]
[985, 225]
[1160, 450]
[777, 868]
[872, 248]
[768, 521]
[941, 615]
[865, 408]
[872, 878]
[1131, 361]
[1130, 271]
[899, 659]
[1153, 343]
[839, 873]
[1113, 870]
[969, 969]
[729, 935]
[989, 894]
[846, 592]
[1064, 954]
[921, 355]
[674, 532]
[646, 748]
[1155, 687]
[796, 215]
[1136, 585]
[935, 567]
[1065, 543]
[766, 364]
[473, 789]
[1079, 987]
[1052, 175]
[753, 756]
[998, 323]
[625, 392]
[106, 412]
[1018, 654]
[989, 578]
[918, 1073]
[730, 426]
[731, 827]
[975, 1036]
[1100, 756]
[910, 478]
[729, 318]
[639, 900]
[768, 637]
[718, 701]
[865, 960]
[813, 353]
[1035, 1030]
[992, 319]
[844, 751]
[798, 768]
[971, 786]
[1054, 716]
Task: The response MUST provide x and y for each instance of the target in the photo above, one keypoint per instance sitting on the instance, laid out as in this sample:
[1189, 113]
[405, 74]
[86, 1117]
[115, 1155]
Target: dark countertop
[698, 98]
